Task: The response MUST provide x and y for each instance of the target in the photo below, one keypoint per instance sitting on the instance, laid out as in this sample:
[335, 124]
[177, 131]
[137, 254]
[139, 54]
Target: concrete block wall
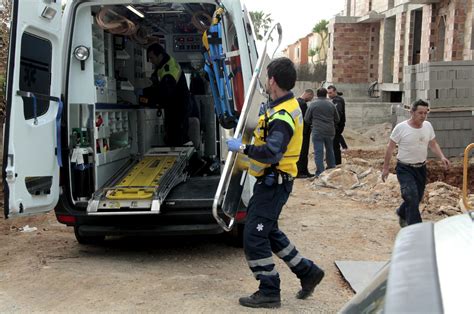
[365, 114]
[380, 5]
[443, 84]
[361, 7]
[468, 53]
[454, 130]
[387, 47]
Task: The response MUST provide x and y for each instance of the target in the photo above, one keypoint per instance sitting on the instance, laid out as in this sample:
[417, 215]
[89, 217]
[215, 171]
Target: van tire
[87, 240]
[235, 237]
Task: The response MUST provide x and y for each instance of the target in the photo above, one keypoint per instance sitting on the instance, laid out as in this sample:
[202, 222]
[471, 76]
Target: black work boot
[258, 300]
[310, 282]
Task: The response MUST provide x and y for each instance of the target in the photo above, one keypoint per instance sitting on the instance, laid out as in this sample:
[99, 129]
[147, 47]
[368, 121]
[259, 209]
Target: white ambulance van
[78, 139]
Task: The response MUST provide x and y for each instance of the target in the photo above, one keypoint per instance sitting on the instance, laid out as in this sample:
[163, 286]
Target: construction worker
[273, 158]
[170, 92]
[413, 138]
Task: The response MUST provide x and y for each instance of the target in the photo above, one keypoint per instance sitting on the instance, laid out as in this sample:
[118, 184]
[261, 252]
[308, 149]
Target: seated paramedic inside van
[169, 92]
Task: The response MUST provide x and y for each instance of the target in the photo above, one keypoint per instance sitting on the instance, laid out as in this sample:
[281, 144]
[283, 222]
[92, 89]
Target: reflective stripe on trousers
[262, 237]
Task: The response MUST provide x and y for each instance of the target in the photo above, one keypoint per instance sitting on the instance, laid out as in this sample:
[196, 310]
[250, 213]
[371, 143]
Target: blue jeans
[412, 186]
[320, 143]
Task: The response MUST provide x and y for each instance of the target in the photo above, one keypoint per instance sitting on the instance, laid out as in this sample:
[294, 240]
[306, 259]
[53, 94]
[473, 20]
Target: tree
[4, 46]
[261, 23]
[321, 28]
[314, 52]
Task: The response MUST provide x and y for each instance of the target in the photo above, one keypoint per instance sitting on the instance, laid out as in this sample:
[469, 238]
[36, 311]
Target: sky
[297, 17]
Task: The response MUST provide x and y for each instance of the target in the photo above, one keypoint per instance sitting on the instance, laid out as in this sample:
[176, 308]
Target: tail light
[66, 219]
[240, 215]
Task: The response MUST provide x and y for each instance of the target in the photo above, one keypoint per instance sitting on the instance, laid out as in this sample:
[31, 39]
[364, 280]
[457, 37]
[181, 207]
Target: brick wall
[303, 50]
[427, 40]
[409, 37]
[400, 30]
[455, 30]
[302, 57]
[456, 16]
[350, 57]
[374, 52]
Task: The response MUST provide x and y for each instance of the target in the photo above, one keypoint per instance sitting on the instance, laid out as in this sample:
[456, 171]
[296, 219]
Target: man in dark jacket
[302, 164]
[169, 92]
[341, 110]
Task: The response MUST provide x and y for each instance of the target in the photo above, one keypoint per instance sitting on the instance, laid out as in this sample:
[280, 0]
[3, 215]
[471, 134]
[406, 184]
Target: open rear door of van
[32, 146]
[231, 184]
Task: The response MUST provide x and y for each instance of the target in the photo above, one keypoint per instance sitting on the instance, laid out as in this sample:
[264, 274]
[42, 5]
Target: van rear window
[35, 72]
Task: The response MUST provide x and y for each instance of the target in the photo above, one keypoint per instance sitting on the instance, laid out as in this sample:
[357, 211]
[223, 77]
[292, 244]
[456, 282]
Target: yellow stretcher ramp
[142, 181]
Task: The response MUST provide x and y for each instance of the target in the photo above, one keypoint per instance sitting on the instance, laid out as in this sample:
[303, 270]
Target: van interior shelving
[116, 137]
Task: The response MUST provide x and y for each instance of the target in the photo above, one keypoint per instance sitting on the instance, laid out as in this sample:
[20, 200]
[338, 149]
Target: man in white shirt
[413, 138]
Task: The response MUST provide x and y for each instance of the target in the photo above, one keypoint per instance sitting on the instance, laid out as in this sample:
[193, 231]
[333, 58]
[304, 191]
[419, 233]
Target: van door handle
[10, 169]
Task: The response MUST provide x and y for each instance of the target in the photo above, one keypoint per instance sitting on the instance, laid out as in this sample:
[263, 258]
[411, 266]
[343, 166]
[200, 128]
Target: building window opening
[418, 18]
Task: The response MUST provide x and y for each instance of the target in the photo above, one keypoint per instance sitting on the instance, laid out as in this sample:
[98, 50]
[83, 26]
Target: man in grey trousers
[322, 116]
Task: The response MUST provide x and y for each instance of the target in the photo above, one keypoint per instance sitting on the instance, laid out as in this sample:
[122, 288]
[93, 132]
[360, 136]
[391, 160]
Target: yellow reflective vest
[294, 118]
[172, 68]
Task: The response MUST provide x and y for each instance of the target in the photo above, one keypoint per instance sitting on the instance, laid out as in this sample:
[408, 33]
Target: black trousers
[262, 237]
[302, 163]
[412, 187]
[337, 147]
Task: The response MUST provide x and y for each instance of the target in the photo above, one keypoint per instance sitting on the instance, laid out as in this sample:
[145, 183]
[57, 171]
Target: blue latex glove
[262, 109]
[234, 144]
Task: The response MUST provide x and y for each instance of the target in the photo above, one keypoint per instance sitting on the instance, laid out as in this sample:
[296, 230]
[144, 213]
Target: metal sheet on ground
[359, 273]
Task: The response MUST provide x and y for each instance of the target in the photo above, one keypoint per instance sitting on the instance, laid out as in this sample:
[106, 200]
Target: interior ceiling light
[131, 8]
[48, 13]
[165, 12]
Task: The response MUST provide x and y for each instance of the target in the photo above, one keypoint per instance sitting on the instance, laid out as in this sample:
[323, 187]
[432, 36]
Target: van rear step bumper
[142, 189]
[163, 230]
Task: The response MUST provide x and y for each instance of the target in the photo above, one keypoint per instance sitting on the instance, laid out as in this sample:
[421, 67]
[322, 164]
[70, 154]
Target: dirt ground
[48, 271]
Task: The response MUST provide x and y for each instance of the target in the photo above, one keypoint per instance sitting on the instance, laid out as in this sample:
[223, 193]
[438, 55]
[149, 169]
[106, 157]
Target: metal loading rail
[143, 189]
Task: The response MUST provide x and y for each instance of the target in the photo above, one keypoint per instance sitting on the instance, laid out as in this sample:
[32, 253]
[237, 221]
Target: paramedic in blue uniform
[170, 92]
[273, 158]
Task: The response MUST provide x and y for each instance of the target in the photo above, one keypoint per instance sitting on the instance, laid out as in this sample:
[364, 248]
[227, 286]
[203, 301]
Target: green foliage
[261, 23]
[321, 27]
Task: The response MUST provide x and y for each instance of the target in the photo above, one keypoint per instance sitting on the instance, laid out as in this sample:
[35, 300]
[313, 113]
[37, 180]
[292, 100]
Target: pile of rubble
[361, 182]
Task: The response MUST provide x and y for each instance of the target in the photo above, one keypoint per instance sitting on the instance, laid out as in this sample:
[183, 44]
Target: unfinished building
[402, 50]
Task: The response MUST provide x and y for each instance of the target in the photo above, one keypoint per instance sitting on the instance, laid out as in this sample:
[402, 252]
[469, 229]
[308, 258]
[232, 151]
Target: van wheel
[235, 237]
[86, 239]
